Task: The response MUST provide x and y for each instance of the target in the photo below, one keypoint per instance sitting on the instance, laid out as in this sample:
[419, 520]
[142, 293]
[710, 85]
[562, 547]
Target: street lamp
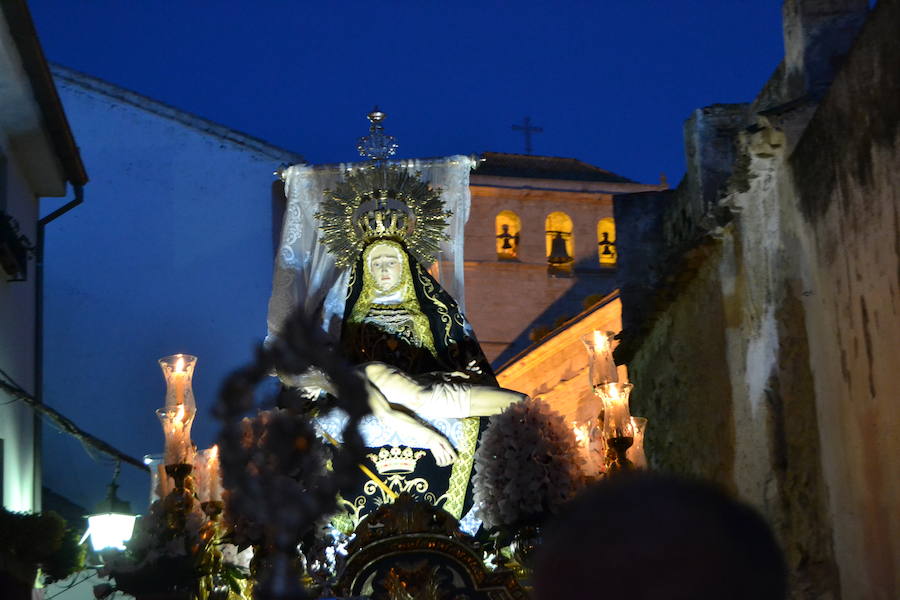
[112, 523]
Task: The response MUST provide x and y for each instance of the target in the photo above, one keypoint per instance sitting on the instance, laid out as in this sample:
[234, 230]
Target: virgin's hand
[441, 449]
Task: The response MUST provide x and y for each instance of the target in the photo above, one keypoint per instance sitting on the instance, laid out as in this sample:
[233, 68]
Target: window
[508, 226]
[560, 242]
[606, 242]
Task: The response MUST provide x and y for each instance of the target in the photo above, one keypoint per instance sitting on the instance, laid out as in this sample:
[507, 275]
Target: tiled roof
[500, 164]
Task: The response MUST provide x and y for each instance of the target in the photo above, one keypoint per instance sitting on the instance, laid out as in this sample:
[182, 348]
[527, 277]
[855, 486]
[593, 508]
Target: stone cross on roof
[527, 128]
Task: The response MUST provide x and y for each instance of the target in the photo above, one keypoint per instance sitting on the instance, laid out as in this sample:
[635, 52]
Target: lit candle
[179, 379]
[178, 370]
[178, 446]
[177, 429]
[601, 366]
[212, 474]
[178, 421]
[616, 415]
[636, 452]
[600, 342]
[201, 480]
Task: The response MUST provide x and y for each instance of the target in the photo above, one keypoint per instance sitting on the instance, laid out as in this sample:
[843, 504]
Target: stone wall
[640, 269]
[766, 358]
[846, 172]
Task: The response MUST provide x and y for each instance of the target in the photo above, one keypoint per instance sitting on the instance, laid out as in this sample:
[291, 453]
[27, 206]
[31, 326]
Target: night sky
[610, 82]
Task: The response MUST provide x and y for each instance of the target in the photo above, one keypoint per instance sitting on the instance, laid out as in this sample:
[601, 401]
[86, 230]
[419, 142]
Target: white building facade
[38, 158]
[171, 252]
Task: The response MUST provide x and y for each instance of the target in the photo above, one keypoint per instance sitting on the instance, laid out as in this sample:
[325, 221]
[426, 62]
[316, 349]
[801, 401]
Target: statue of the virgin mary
[359, 246]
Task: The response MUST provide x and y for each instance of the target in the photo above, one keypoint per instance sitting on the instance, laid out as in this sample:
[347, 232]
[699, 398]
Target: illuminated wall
[17, 303]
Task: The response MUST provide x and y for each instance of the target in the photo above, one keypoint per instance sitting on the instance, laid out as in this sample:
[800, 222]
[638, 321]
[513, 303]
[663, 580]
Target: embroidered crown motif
[396, 460]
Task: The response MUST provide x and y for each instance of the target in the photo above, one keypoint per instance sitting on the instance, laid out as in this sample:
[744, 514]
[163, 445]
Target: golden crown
[382, 202]
[396, 460]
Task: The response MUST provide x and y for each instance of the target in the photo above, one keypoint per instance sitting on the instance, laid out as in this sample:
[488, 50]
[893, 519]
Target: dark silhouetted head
[652, 537]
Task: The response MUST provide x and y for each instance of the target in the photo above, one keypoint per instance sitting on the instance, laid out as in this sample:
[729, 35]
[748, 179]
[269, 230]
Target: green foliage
[68, 559]
[32, 541]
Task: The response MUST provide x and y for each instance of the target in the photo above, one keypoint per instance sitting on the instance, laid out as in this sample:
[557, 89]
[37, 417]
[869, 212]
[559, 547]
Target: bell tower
[539, 246]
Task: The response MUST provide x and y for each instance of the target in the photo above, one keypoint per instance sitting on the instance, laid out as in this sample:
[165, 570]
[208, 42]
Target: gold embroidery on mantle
[442, 310]
[462, 468]
[395, 464]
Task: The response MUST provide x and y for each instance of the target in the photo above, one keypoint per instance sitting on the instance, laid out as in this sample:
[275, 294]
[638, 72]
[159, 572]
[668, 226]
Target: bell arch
[560, 240]
[508, 227]
[606, 242]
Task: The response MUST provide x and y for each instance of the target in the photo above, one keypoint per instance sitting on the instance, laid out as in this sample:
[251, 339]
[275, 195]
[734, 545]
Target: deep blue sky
[609, 81]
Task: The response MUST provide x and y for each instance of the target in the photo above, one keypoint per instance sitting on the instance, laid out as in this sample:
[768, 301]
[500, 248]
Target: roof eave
[24, 35]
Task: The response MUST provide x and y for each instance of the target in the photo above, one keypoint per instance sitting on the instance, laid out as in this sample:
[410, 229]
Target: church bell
[559, 255]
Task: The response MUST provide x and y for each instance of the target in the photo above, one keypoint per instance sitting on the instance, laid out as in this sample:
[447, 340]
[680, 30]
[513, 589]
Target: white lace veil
[305, 274]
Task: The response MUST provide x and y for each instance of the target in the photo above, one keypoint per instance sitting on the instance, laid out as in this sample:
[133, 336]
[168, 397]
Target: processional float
[393, 465]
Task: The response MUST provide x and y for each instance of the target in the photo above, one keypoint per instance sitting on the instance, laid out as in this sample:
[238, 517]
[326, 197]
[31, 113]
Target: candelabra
[177, 551]
[193, 475]
[177, 417]
[622, 434]
[618, 429]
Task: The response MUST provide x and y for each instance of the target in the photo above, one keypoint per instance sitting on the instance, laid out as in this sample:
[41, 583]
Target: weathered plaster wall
[847, 174]
[682, 387]
[769, 362]
[777, 463]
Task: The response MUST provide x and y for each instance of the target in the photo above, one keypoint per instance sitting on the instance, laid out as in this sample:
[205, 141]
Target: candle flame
[599, 341]
[214, 452]
[179, 365]
[609, 391]
[179, 413]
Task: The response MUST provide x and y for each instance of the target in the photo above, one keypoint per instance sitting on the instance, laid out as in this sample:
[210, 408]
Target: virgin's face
[386, 267]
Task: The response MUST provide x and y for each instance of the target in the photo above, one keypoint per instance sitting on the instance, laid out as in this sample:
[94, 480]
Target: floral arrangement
[32, 541]
[527, 467]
